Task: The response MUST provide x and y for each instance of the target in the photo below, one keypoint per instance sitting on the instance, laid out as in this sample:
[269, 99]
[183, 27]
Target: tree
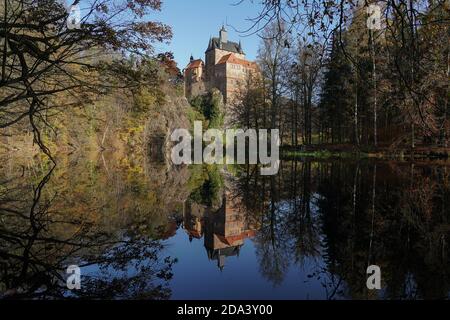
[273, 59]
[249, 109]
[396, 92]
[303, 84]
[335, 103]
[44, 57]
[210, 105]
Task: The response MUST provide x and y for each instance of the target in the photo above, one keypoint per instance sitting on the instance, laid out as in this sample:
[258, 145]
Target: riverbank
[350, 151]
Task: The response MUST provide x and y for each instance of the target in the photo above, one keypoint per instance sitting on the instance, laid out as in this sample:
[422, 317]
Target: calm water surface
[151, 231]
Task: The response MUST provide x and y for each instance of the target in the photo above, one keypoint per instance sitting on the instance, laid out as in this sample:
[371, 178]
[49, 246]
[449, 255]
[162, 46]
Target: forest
[335, 78]
[329, 81]
[90, 87]
[332, 78]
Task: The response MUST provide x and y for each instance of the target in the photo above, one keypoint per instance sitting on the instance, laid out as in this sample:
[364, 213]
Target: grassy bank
[350, 152]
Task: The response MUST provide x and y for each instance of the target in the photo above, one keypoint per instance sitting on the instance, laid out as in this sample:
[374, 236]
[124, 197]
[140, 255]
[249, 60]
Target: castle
[225, 68]
[224, 229]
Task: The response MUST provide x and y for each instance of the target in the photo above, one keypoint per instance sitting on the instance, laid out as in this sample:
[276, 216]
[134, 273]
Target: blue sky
[194, 21]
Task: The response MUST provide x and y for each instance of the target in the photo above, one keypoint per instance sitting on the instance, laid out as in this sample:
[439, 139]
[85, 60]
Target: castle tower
[225, 67]
[194, 78]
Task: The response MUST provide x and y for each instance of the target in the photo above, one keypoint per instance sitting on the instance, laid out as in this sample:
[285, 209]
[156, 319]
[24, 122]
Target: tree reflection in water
[52, 221]
[329, 219]
[348, 215]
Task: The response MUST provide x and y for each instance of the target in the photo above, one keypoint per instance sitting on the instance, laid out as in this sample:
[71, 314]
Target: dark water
[147, 230]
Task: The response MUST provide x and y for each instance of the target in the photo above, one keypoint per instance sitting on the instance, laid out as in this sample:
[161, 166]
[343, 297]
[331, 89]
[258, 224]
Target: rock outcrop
[160, 125]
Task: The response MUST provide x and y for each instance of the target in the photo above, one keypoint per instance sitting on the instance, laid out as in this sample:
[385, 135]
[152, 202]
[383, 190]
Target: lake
[143, 230]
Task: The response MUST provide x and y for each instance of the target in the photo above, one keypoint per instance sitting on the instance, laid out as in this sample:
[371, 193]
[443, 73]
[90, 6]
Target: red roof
[230, 240]
[194, 233]
[231, 58]
[195, 64]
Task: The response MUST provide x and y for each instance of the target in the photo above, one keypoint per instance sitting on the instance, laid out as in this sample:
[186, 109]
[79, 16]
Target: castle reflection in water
[224, 229]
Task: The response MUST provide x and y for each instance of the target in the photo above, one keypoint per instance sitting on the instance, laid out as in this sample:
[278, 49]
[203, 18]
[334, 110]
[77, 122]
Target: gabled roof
[213, 254]
[194, 233]
[194, 64]
[231, 240]
[231, 58]
[230, 46]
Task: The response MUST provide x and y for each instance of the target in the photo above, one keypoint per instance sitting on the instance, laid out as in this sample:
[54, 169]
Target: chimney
[223, 35]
